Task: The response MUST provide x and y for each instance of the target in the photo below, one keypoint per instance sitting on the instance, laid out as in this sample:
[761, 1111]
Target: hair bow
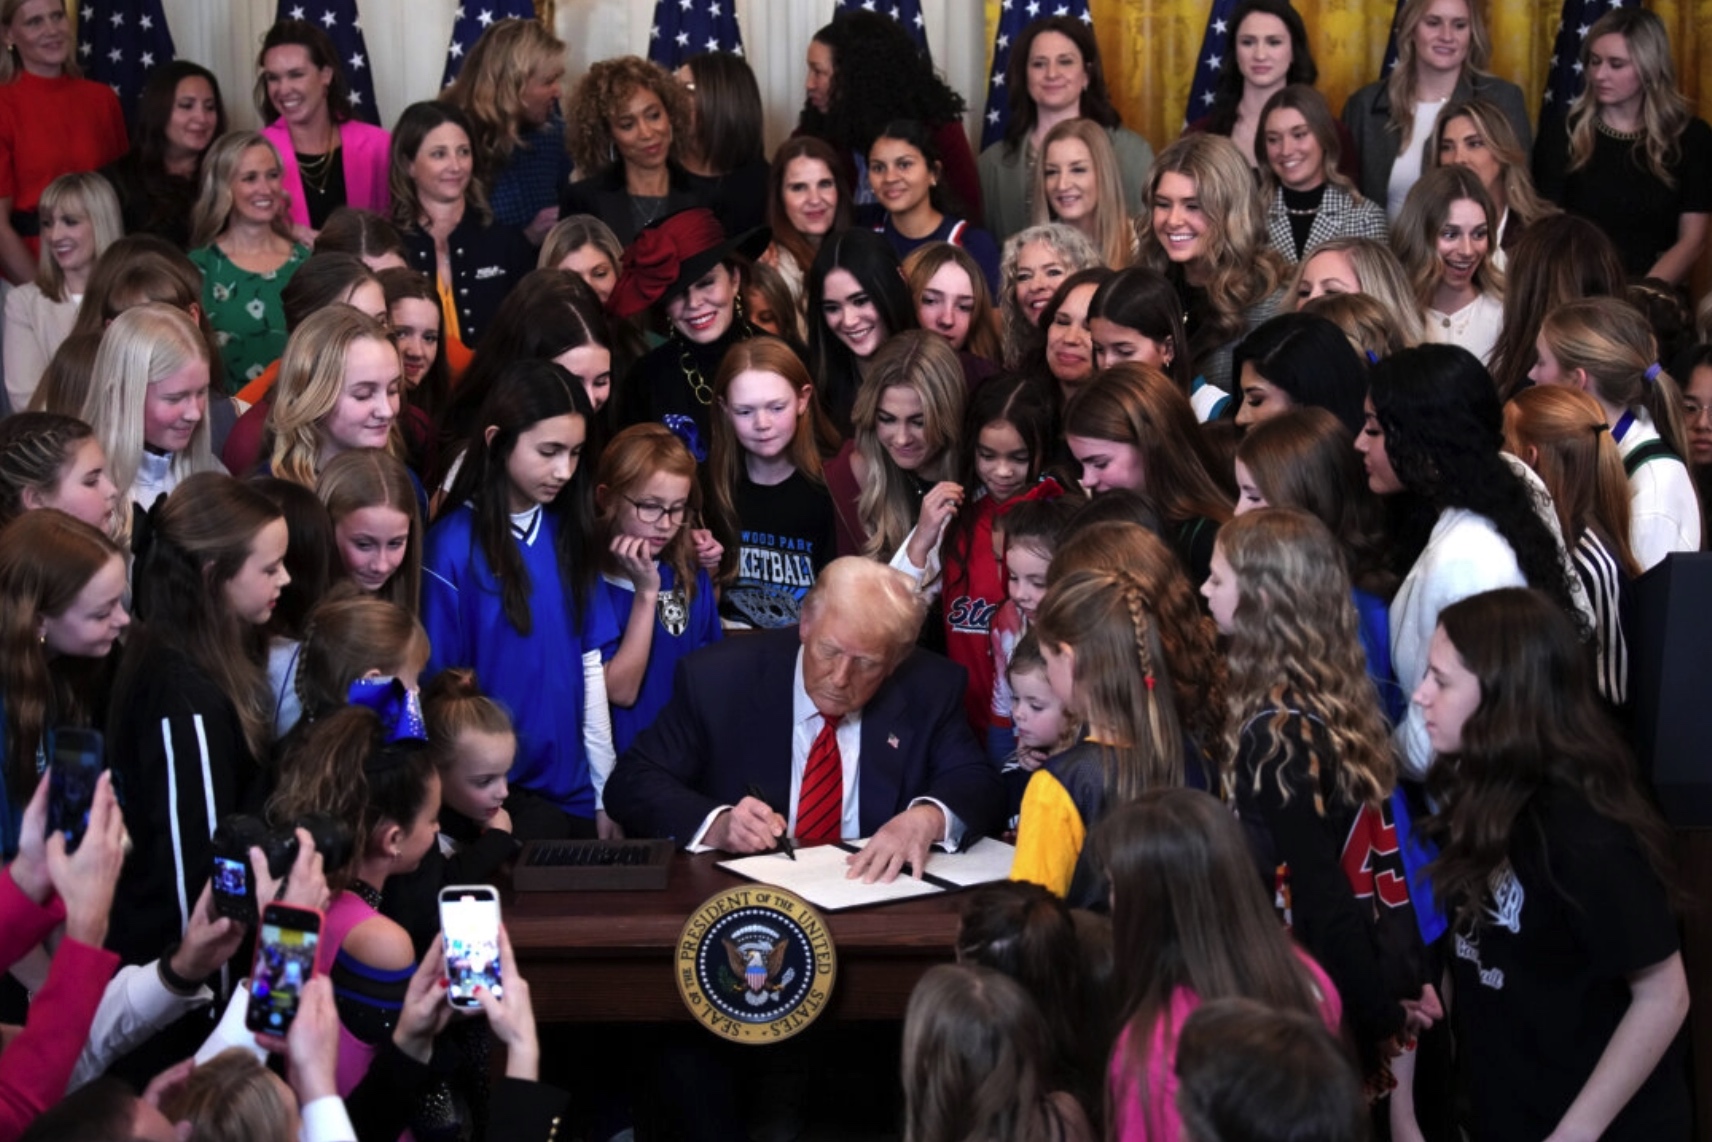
[1653, 371]
[684, 428]
[400, 709]
[1046, 488]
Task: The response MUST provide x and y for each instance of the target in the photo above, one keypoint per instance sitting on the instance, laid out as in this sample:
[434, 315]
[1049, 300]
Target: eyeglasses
[1693, 410]
[651, 511]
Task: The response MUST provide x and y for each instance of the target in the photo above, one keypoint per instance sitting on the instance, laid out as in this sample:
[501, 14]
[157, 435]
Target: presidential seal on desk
[755, 965]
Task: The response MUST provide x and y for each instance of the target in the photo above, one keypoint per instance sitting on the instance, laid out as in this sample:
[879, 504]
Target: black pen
[784, 841]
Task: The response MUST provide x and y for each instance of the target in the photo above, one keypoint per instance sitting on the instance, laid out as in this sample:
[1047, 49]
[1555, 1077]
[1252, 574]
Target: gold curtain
[1149, 48]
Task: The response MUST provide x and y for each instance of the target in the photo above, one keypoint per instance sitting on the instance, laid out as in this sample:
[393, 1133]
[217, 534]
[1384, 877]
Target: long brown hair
[1538, 727]
[1567, 432]
[1189, 912]
[1138, 405]
[1295, 646]
[1400, 87]
[1560, 258]
[46, 559]
[368, 478]
[345, 638]
[201, 538]
[1123, 686]
[1186, 635]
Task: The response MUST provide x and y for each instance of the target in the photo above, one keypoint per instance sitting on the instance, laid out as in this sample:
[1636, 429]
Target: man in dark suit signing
[841, 725]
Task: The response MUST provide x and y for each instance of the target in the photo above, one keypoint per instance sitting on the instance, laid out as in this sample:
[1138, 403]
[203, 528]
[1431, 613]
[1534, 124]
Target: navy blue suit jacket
[728, 725]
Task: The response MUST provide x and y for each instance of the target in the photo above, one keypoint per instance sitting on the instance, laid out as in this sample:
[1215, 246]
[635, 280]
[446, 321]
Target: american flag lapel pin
[892, 740]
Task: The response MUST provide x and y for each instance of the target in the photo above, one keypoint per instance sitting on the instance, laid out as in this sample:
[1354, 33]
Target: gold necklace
[692, 373]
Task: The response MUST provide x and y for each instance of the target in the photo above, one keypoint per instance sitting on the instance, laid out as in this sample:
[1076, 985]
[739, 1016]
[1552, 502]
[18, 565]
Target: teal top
[245, 311]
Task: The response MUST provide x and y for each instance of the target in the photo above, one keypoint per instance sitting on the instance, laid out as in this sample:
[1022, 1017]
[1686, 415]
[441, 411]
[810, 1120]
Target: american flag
[119, 42]
[338, 18]
[685, 28]
[471, 20]
[1565, 80]
[905, 12]
[1215, 57]
[1014, 16]
[1390, 64]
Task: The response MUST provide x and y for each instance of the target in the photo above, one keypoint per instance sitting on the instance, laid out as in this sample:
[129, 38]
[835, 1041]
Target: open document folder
[818, 874]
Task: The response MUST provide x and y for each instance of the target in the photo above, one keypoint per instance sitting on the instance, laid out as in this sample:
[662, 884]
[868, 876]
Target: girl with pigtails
[1103, 660]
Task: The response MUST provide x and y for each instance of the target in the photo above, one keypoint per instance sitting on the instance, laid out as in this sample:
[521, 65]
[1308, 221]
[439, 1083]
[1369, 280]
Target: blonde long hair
[93, 195]
[145, 345]
[1664, 111]
[1494, 128]
[1295, 647]
[1112, 223]
[923, 361]
[489, 87]
[1401, 86]
[214, 203]
[1123, 688]
[1614, 343]
[311, 377]
[1381, 276]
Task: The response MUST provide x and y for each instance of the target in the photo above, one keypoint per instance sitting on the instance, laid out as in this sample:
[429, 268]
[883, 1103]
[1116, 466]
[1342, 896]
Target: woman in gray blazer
[1308, 200]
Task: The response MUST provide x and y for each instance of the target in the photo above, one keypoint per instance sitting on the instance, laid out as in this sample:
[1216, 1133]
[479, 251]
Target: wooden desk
[606, 957]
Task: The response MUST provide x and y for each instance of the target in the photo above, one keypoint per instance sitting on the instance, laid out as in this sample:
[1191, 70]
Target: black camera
[234, 886]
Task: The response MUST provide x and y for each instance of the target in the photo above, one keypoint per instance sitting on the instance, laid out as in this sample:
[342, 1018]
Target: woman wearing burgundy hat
[693, 273]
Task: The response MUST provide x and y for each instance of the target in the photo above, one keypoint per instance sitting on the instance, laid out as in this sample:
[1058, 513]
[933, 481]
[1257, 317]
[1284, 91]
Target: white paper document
[818, 873]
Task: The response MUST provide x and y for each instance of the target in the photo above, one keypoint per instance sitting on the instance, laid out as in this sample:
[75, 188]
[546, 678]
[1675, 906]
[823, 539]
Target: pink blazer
[367, 155]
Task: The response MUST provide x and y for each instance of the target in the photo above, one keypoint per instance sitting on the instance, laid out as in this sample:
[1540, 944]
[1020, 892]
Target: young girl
[1026, 534]
[371, 772]
[79, 216]
[770, 508]
[53, 461]
[977, 1062]
[1311, 769]
[472, 746]
[339, 384]
[1205, 229]
[1628, 156]
[413, 320]
[1132, 428]
[1189, 925]
[309, 560]
[1037, 259]
[1039, 727]
[1605, 348]
[1135, 316]
[1081, 185]
[1548, 843]
[646, 500]
[350, 638]
[585, 246]
[1104, 660]
[857, 299]
[1358, 265]
[951, 551]
[906, 447]
[1444, 237]
[952, 299]
[192, 712]
[904, 173]
[377, 523]
[62, 595]
[150, 412]
[1563, 435]
[510, 589]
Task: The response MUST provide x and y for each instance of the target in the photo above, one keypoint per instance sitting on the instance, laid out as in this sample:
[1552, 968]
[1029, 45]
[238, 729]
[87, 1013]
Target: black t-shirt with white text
[785, 536]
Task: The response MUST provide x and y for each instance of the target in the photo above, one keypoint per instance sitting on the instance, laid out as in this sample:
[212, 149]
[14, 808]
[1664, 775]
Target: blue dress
[538, 676]
[679, 628]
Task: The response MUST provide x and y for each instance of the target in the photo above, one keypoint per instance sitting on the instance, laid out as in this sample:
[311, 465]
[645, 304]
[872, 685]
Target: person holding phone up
[49, 883]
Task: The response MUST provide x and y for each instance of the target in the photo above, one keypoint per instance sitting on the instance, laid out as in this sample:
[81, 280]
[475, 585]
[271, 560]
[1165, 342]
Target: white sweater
[1664, 515]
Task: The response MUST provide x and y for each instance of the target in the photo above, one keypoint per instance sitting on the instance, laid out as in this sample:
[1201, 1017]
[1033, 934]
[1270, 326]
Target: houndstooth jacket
[1340, 216]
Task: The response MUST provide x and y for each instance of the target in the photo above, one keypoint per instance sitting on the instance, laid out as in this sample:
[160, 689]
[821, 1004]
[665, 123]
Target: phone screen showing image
[77, 765]
[285, 959]
[470, 920]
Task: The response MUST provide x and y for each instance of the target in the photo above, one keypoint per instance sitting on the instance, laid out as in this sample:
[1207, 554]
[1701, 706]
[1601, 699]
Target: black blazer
[728, 725]
[486, 262]
[603, 195]
[1367, 114]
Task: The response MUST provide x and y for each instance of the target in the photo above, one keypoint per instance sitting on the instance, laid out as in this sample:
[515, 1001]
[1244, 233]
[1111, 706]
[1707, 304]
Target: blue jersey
[538, 676]
[680, 626]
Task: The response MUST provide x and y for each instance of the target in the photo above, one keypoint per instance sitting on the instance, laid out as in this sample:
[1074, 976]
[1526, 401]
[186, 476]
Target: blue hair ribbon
[684, 428]
[399, 708]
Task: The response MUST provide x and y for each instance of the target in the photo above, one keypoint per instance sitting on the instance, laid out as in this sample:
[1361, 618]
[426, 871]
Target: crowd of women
[1282, 495]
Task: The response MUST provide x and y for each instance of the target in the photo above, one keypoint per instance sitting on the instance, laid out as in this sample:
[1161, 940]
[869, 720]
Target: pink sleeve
[23, 922]
[1331, 1003]
[369, 151]
[34, 1070]
[279, 135]
[1157, 1120]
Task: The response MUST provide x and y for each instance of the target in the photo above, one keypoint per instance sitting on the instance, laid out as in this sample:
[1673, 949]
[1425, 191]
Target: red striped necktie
[820, 805]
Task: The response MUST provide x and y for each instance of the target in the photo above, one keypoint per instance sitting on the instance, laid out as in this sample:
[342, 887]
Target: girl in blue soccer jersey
[654, 572]
[769, 504]
[510, 589]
